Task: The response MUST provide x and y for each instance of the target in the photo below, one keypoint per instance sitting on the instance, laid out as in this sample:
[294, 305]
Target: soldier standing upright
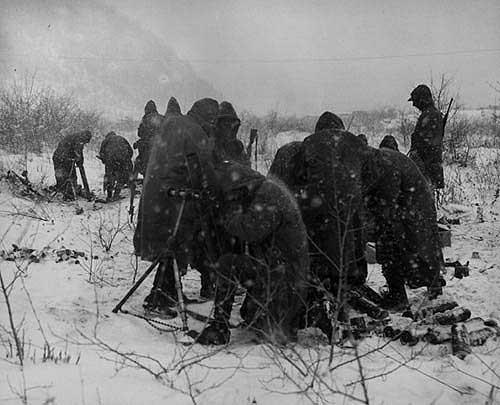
[182, 159]
[148, 128]
[426, 148]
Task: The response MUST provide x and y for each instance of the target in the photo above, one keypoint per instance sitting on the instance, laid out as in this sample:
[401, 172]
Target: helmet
[421, 94]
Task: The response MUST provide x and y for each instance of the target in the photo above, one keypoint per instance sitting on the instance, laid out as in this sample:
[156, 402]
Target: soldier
[427, 138]
[148, 128]
[389, 142]
[332, 207]
[261, 212]
[116, 154]
[330, 200]
[400, 200]
[69, 152]
[173, 110]
[227, 145]
[182, 159]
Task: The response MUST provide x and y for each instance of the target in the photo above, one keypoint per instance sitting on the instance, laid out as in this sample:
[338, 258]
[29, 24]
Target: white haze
[292, 56]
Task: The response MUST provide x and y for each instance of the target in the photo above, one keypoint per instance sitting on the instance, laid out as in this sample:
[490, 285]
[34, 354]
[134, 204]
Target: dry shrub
[33, 116]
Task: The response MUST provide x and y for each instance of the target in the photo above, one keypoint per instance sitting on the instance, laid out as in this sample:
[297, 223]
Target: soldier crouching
[116, 154]
[66, 158]
[261, 213]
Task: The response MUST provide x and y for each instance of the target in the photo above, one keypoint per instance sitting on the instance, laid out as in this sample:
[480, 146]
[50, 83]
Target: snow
[73, 304]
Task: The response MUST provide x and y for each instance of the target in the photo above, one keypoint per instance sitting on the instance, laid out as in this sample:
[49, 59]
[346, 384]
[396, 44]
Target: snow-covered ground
[104, 358]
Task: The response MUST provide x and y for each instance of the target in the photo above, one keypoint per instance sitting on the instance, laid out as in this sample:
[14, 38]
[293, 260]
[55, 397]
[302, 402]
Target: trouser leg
[163, 293]
[226, 285]
[396, 297]
[390, 256]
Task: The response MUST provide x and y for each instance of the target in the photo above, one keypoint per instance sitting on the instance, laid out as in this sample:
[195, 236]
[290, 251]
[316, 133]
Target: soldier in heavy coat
[262, 213]
[116, 154]
[426, 148]
[182, 159]
[330, 200]
[227, 145]
[148, 128]
[67, 156]
[400, 199]
[332, 206]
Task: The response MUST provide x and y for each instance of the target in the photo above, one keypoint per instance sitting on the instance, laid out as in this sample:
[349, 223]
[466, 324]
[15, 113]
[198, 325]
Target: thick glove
[214, 334]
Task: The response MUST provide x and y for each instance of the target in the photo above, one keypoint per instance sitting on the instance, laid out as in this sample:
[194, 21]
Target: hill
[93, 51]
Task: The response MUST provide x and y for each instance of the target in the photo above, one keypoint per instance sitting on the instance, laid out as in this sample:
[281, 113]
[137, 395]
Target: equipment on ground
[460, 343]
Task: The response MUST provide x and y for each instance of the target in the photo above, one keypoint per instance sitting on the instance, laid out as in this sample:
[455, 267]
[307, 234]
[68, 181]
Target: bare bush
[108, 230]
[33, 116]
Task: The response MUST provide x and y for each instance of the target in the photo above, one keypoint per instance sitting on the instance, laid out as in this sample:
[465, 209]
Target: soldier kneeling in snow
[262, 213]
[116, 154]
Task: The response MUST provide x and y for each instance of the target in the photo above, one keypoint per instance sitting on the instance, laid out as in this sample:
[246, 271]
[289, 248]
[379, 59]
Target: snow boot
[157, 302]
[216, 333]
[207, 290]
[395, 299]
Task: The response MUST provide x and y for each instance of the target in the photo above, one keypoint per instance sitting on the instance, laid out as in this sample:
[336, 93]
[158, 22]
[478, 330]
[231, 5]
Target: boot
[207, 290]
[156, 302]
[163, 293]
[396, 298]
[216, 333]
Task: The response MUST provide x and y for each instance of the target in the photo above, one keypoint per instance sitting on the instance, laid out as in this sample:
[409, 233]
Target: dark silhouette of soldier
[182, 158]
[227, 145]
[67, 156]
[148, 128]
[426, 148]
[116, 154]
[261, 212]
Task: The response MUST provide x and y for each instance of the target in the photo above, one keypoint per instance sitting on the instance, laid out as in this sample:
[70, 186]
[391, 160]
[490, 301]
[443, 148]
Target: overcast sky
[302, 57]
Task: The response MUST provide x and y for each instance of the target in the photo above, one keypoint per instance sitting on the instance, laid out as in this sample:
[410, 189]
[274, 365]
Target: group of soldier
[292, 238]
